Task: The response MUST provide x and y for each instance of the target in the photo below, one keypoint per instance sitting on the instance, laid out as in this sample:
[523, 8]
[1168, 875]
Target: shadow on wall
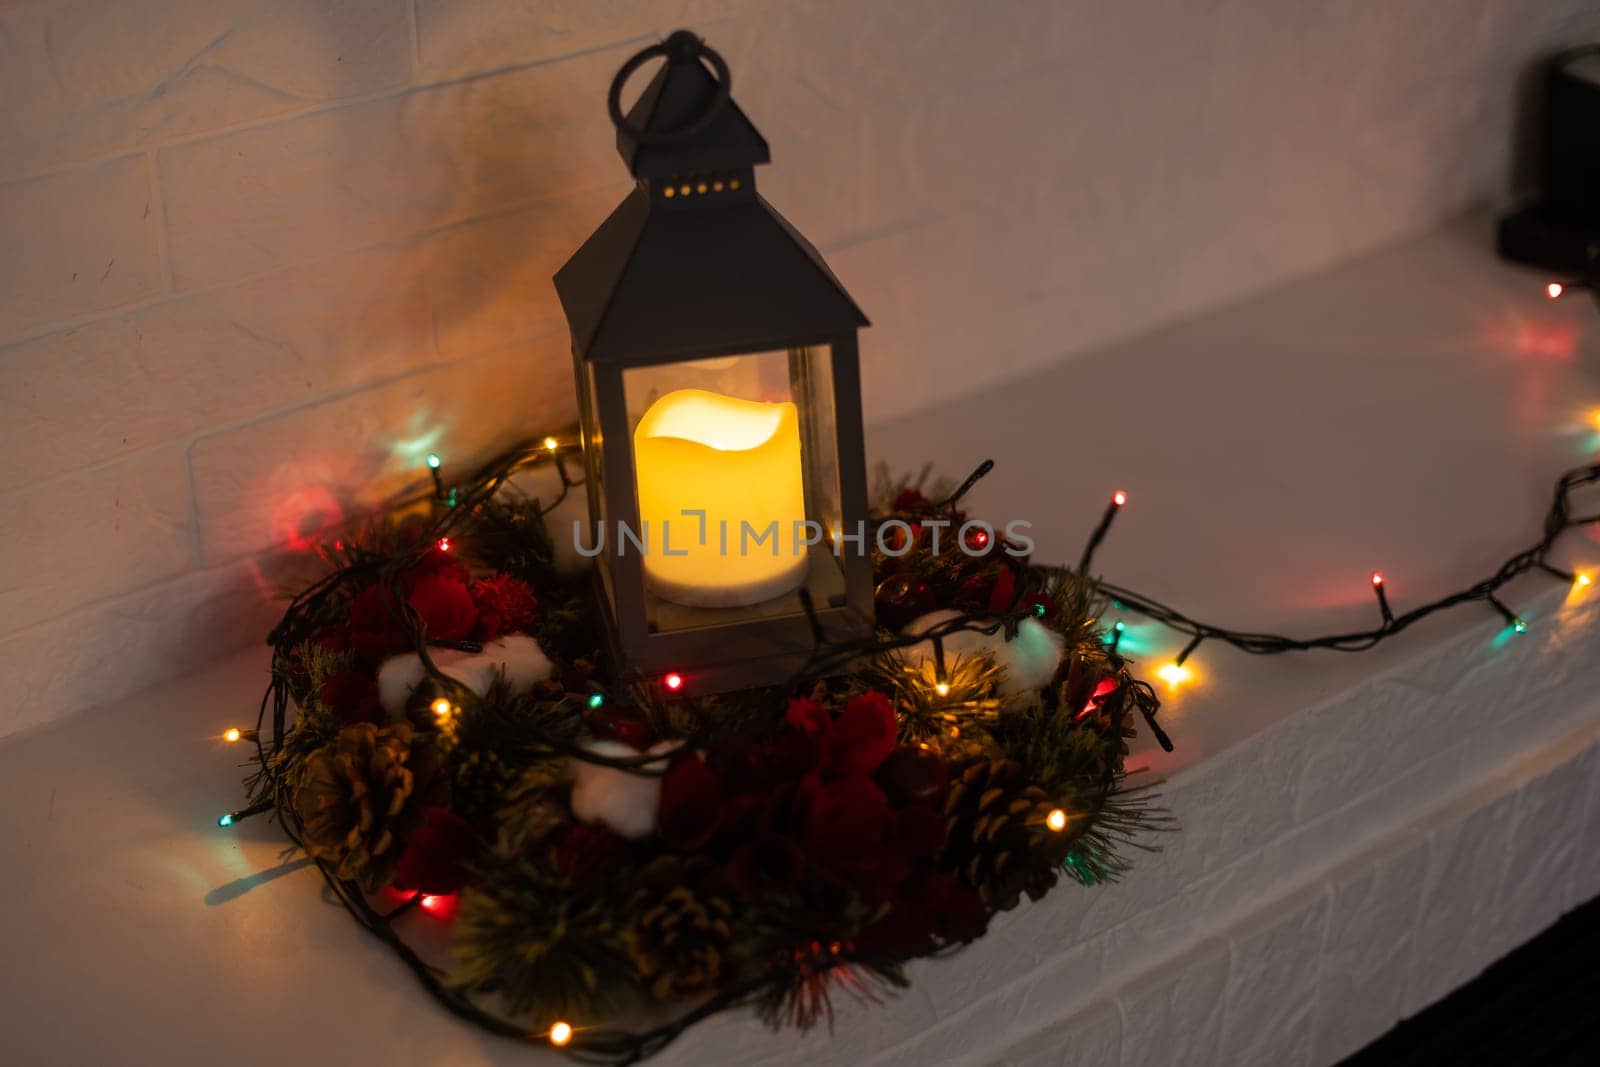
[518, 167]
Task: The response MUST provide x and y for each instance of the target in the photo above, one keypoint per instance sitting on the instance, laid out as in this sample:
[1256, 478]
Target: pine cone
[360, 797]
[681, 927]
[998, 837]
[480, 779]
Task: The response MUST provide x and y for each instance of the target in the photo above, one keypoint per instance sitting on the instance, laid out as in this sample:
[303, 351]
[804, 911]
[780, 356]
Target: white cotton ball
[399, 675]
[519, 655]
[1028, 661]
[523, 660]
[624, 801]
[1035, 656]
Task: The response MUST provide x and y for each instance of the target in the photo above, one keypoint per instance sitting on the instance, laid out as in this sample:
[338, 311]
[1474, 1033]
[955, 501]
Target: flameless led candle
[739, 462]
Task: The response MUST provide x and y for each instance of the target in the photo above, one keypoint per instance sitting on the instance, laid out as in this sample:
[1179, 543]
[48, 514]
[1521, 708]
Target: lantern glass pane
[736, 472]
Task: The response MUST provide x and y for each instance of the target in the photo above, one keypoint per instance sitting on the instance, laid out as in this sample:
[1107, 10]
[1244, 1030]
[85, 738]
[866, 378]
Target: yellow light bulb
[441, 708]
[1174, 674]
[551, 443]
[942, 688]
[560, 1034]
[1584, 578]
[232, 733]
[1056, 820]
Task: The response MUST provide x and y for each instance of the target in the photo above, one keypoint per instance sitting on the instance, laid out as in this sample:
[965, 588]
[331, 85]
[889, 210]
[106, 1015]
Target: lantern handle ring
[680, 47]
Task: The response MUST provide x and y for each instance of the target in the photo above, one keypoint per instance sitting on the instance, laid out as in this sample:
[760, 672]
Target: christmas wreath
[442, 736]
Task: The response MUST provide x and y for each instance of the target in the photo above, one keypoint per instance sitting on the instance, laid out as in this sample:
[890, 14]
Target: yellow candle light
[739, 462]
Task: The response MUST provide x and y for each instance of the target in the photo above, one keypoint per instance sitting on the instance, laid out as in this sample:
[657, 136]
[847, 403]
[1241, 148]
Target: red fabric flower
[587, 855]
[957, 911]
[921, 831]
[928, 906]
[435, 563]
[375, 632]
[809, 717]
[782, 759]
[435, 859]
[351, 697]
[505, 605]
[852, 836]
[863, 735]
[445, 607]
[691, 804]
[768, 863]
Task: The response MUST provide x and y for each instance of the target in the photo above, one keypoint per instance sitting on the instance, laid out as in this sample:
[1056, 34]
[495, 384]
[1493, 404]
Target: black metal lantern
[719, 388]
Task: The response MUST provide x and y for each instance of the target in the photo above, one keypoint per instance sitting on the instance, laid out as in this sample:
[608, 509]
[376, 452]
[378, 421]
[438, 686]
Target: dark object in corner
[1532, 1008]
[1559, 229]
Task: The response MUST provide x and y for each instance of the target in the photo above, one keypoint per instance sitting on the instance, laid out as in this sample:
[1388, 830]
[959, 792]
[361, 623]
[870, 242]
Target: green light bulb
[595, 700]
[226, 821]
[433, 460]
[1520, 626]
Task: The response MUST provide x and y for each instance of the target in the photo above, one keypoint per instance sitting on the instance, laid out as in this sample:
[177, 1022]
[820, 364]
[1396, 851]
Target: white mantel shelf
[1362, 832]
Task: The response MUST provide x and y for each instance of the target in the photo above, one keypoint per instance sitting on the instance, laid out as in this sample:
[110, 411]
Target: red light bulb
[1119, 498]
[673, 681]
[1555, 289]
[444, 544]
[1377, 578]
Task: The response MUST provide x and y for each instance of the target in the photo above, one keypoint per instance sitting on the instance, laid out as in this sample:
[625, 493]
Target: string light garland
[1113, 809]
[1557, 521]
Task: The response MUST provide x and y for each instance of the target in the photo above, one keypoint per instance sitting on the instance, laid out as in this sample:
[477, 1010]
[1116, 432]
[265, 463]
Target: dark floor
[1539, 1005]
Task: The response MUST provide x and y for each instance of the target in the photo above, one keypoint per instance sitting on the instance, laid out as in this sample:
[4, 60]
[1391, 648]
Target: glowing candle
[739, 462]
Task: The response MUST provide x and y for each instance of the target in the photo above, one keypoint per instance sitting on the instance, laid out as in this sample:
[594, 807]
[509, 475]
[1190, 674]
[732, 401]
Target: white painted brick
[1546, 842]
[1586, 871]
[100, 654]
[1175, 1014]
[187, 366]
[76, 244]
[1245, 799]
[1092, 1038]
[1273, 983]
[282, 478]
[1458, 931]
[1366, 742]
[490, 281]
[467, 36]
[93, 536]
[341, 179]
[100, 78]
[1368, 954]
[975, 1001]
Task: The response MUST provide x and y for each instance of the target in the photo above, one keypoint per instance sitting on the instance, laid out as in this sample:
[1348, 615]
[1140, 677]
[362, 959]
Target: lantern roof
[671, 276]
[684, 121]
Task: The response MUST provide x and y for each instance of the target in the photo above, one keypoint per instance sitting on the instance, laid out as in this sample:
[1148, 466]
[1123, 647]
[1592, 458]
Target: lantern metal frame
[695, 265]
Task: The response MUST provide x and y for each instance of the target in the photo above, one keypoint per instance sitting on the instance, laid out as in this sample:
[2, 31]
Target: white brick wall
[260, 256]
